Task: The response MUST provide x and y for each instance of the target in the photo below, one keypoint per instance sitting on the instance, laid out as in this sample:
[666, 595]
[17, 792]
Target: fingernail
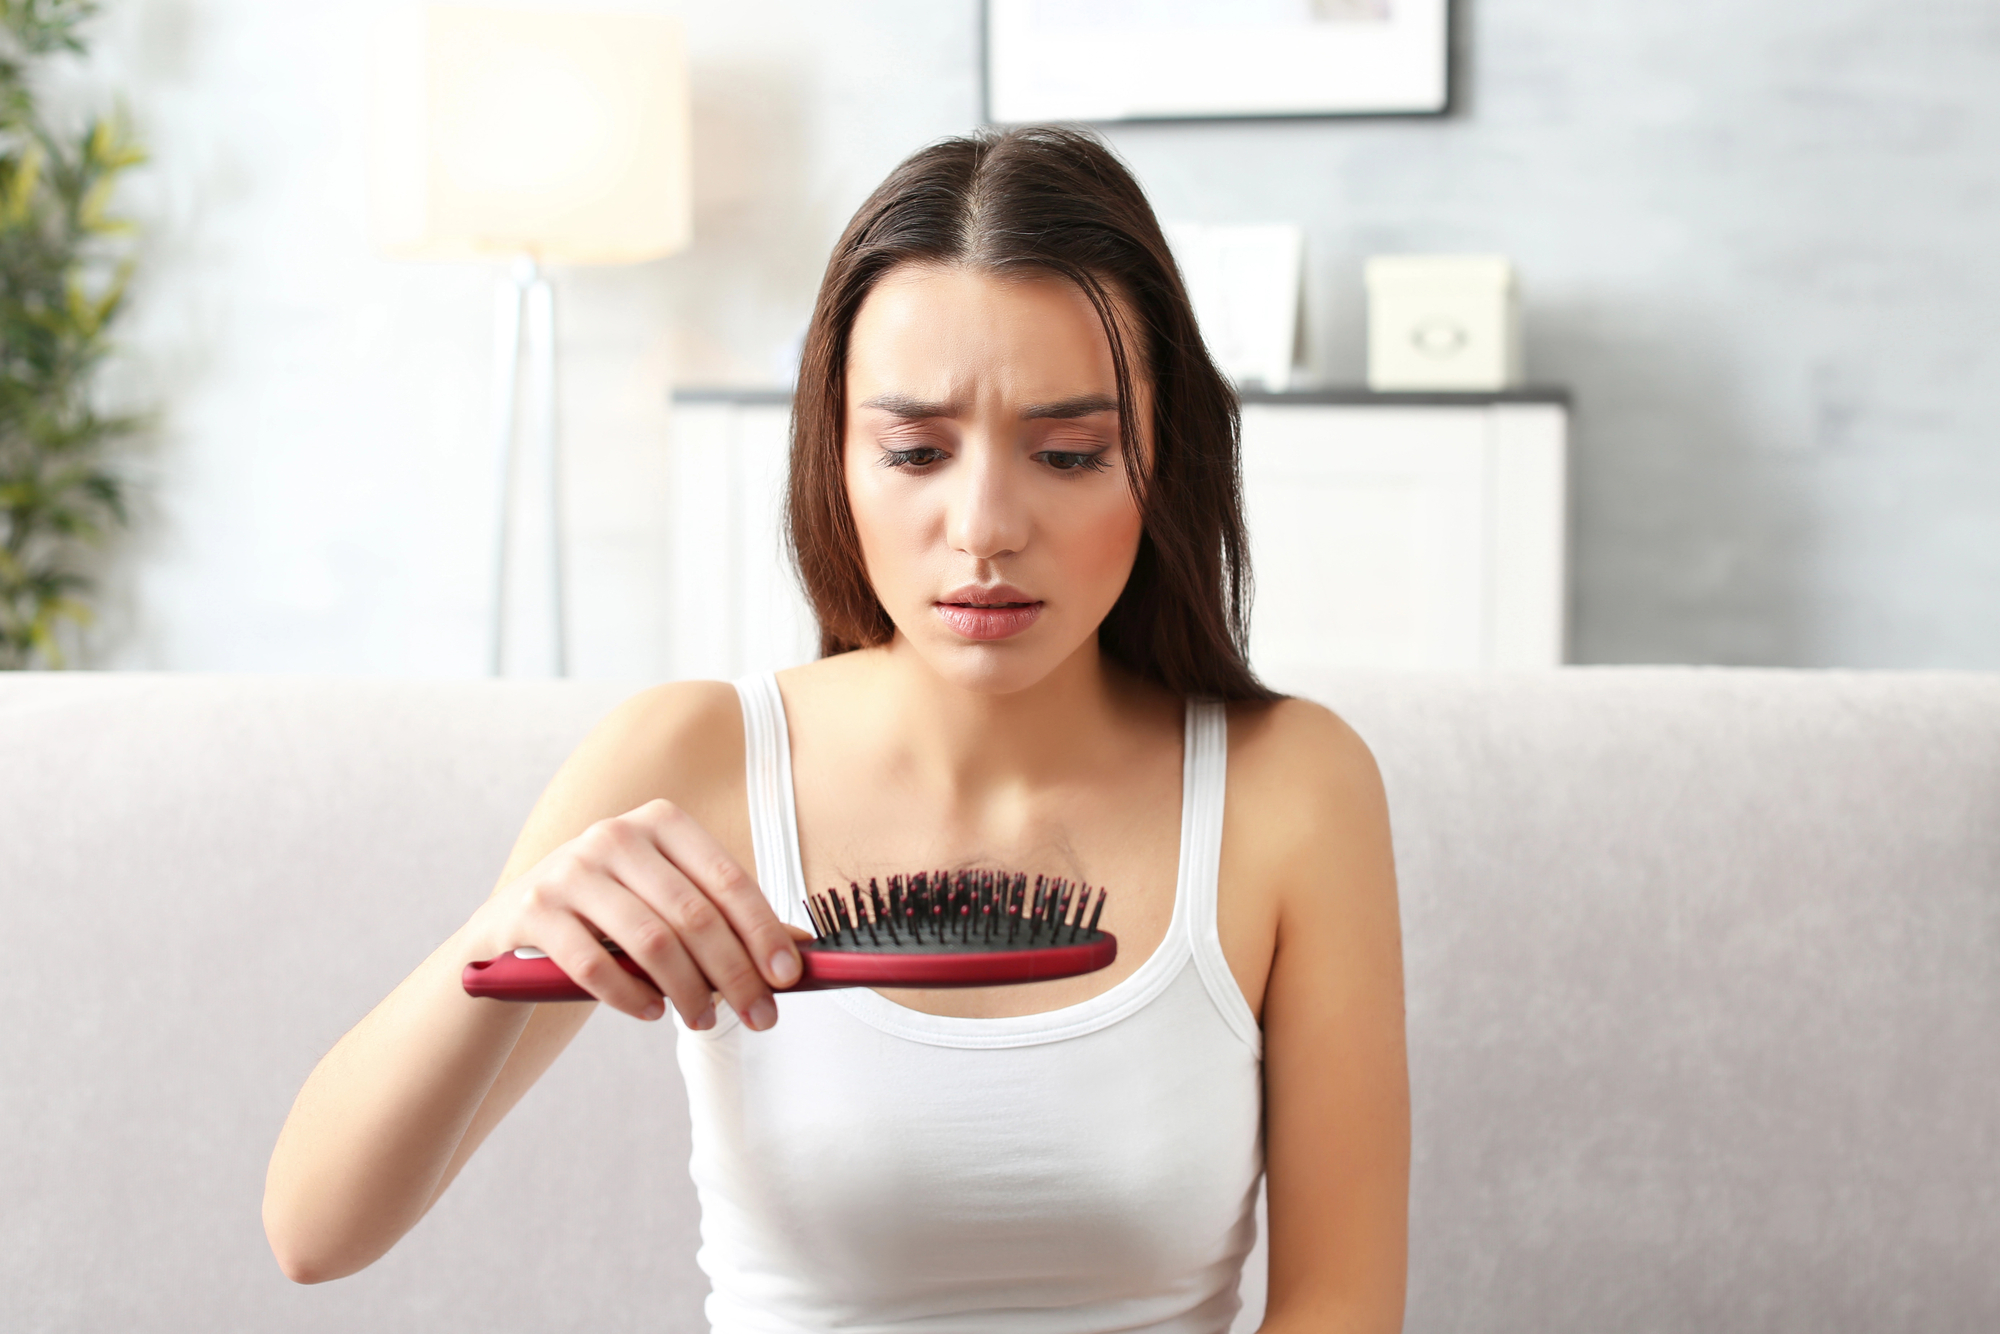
[706, 1019]
[653, 1011]
[784, 968]
[762, 1014]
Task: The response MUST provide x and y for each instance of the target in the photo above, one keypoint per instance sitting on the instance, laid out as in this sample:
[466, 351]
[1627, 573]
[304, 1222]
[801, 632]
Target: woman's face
[984, 470]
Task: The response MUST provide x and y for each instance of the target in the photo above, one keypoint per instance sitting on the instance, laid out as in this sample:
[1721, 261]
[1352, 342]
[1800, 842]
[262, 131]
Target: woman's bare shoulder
[1293, 744]
[682, 741]
[1303, 786]
[684, 710]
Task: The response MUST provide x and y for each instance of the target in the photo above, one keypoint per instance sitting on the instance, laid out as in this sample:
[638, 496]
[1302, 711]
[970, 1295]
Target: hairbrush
[931, 929]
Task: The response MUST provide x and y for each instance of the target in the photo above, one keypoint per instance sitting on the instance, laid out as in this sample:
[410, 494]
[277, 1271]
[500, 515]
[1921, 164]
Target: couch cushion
[1704, 996]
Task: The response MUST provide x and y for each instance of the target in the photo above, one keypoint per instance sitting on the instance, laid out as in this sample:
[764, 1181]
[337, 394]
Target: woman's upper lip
[982, 595]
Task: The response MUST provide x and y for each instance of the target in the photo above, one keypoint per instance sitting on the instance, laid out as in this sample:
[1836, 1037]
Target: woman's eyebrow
[1083, 405]
[909, 408]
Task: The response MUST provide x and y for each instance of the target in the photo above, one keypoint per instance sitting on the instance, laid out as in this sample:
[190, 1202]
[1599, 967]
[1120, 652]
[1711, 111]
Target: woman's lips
[998, 620]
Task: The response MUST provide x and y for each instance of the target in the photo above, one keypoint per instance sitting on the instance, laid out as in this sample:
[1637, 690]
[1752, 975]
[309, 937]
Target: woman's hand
[666, 892]
[394, 1111]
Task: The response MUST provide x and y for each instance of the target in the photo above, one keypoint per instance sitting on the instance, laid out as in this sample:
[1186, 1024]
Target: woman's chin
[991, 666]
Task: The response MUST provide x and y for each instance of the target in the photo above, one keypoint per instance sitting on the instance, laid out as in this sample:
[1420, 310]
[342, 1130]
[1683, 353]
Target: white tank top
[867, 1167]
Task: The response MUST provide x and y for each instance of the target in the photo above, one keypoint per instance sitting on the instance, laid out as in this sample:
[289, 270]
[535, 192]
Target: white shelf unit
[1406, 531]
[1397, 531]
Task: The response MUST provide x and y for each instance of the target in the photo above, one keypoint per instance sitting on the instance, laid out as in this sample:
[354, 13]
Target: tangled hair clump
[1047, 200]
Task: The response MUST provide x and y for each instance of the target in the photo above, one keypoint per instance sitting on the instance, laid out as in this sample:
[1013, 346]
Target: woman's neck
[965, 740]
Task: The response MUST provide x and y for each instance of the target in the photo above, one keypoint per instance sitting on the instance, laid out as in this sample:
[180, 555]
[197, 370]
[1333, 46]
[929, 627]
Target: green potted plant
[64, 266]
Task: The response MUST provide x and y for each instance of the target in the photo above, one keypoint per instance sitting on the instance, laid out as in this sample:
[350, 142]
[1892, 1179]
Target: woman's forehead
[948, 335]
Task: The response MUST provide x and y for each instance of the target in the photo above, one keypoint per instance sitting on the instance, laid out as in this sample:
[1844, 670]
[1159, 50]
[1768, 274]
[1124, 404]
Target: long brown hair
[1051, 200]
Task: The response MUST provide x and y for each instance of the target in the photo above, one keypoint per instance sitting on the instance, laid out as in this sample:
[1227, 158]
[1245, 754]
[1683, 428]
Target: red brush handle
[511, 977]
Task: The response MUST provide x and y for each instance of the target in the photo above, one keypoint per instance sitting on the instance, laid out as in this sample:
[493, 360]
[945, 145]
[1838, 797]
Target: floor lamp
[530, 139]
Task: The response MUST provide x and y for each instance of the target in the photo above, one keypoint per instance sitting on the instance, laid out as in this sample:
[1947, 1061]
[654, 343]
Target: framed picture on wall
[1113, 60]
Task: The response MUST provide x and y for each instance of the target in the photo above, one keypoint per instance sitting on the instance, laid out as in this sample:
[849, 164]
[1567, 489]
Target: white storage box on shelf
[1443, 322]
[1386, 531]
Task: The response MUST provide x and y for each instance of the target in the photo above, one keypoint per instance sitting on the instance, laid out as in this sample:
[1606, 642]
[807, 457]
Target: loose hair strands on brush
[1047, 200]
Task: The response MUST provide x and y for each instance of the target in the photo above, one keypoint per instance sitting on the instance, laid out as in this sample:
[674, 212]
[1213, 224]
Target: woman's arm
[1336, 1082]
[399, 1104]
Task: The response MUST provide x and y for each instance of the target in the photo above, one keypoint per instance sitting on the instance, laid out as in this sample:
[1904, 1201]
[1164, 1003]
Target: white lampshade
[500, 132]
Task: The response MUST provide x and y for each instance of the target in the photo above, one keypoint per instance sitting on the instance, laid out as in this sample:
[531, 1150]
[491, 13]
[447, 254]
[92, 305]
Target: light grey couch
[1704, 1002]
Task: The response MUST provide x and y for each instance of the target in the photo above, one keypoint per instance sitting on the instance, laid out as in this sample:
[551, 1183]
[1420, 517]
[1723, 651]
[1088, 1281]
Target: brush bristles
[956, 910]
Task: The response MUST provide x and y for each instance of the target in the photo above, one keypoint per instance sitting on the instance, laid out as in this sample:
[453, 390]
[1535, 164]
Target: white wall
[321, 485]
[1756, 240]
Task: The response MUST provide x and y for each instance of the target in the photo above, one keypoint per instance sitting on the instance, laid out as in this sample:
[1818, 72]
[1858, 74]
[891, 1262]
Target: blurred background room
[1753, 248]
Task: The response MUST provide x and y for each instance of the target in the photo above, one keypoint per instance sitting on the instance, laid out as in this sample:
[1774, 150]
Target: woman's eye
[1064, 460]
[917, 456]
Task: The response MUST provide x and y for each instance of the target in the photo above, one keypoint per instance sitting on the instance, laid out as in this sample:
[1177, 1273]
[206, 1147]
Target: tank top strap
[1204, 785]
[767, 776]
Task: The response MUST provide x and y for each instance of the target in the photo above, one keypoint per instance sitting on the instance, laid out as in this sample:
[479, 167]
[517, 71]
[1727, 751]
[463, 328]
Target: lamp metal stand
[524, 312]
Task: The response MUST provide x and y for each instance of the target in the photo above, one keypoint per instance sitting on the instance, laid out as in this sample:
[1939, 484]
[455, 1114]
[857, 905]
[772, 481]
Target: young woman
[1014, 506]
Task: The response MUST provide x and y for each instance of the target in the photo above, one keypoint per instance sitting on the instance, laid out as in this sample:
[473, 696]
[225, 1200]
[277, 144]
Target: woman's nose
[989, 514]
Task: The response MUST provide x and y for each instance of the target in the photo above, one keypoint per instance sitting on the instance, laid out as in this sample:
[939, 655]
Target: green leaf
[65, 269]
[24, 175]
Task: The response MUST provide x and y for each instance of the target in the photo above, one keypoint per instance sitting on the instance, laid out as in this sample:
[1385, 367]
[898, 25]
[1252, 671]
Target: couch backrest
[1702, 974]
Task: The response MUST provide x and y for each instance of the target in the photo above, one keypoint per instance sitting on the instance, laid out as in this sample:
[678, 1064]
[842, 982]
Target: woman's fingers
[576, 950]
[673, 899]
[707, 864]
[696, 920]
[626, 918]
